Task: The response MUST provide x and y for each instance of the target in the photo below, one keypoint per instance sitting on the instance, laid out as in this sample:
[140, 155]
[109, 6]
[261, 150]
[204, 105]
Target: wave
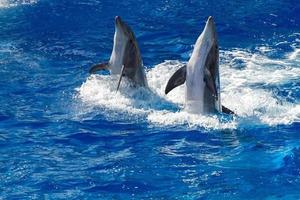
[254, 85]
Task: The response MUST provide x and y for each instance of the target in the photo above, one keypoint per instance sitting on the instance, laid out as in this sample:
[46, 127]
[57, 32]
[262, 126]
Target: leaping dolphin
[125, 59]
[201, 74]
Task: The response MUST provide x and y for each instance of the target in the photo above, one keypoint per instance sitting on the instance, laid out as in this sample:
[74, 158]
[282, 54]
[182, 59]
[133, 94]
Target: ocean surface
[65, 134]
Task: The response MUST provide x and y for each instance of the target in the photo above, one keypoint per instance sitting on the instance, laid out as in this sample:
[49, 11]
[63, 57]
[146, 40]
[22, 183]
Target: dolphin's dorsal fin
[178, 78]
[227, 110]
[98, 67]
[210, 83]
[121, 75]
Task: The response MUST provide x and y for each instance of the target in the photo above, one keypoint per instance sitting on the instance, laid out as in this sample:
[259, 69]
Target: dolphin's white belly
[116, 58]
[194, 90]
[195, 84]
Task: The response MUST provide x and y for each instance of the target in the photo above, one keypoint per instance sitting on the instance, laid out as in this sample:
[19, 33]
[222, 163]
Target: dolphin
[125, 59]
[201, 74]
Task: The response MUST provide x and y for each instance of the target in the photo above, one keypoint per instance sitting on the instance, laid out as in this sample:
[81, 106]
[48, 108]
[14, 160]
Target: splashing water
[244, 77]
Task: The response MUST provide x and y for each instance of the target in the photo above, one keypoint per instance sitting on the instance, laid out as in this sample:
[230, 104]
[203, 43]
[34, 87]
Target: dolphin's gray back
[140, 76]
[133, 64]
[211, 101]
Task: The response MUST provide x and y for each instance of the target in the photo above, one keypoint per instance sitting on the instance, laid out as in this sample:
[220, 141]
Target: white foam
[245, 81]
[295, 54]
[250, 87]
[10, 3]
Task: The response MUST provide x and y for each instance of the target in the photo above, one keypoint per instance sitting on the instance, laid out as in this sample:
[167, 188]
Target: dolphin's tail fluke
[177, 79]
[98, 67]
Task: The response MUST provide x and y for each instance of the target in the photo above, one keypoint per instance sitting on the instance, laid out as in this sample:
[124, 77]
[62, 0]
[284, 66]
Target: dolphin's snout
[118, 20]
[210, 21]
[210, 30]
[210, 18]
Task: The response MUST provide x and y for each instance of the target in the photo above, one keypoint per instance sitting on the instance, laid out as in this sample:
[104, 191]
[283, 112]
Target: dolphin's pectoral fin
[210, 83]
[98, 67]
[121, 75]
[227, 110]
[178, 78]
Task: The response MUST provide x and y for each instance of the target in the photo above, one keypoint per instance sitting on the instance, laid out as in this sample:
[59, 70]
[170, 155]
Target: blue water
[67, 135]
